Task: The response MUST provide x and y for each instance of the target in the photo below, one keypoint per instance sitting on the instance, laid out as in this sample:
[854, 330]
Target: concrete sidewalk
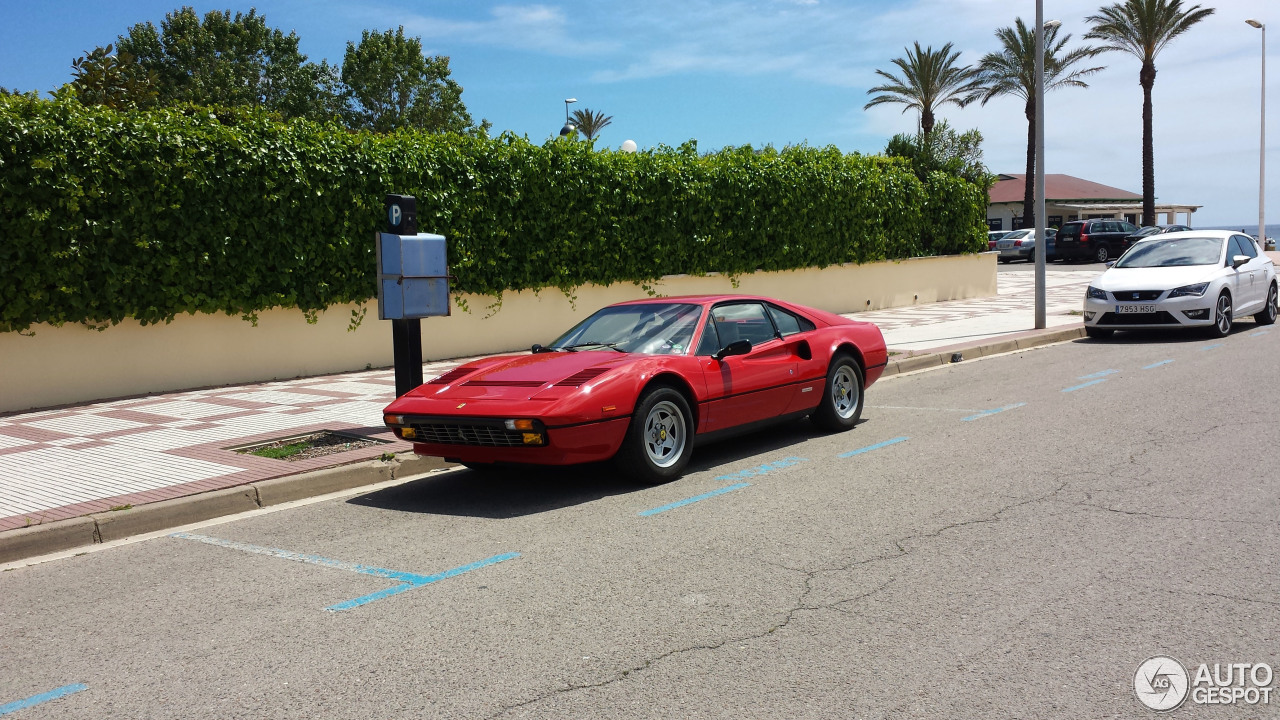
[99, 457]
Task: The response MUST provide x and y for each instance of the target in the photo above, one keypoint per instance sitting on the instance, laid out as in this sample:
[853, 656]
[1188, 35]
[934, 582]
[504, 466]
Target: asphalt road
[1019, 563]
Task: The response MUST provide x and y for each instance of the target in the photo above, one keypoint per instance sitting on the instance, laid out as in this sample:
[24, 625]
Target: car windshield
[1146, 231]
[646, 328]
[1174, 252]
[1017, 234]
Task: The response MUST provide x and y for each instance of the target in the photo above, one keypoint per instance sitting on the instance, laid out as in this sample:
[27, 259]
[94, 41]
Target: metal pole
[1262, 150]
[1042, 244]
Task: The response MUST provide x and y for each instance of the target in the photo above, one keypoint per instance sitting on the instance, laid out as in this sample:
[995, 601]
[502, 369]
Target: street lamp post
[1262, 142]
[568, 126]
[1042, 243]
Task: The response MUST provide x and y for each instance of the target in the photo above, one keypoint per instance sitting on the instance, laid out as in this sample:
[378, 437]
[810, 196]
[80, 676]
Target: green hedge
[107, 215]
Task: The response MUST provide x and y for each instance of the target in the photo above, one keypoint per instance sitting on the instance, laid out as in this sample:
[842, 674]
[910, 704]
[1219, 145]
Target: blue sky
[767, 72]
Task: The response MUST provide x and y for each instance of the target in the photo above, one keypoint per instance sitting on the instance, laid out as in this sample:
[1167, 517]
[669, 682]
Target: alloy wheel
[844, 392]
[664, 434]
[1224, 314]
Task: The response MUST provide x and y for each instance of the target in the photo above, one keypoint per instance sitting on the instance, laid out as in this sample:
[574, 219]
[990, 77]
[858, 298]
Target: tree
[590, 123]
[945, 150]
[116, 81]
[232, 61]
[393, 85]
[929, 80]
[1012, 71]
[1143, 28]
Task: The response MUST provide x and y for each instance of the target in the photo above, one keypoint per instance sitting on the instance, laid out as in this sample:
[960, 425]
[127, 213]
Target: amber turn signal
[532, 438]
[519, 424]
[393, 419]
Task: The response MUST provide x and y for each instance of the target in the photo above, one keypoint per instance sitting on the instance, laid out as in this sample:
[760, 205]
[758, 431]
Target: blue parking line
[1260, 332]
[409, 580]
[869, 448]
[1097, 375]
[763, 469]
[694, 499]
[420, 580]
[1210, 347]
[1083, 385]
[984, 413]
[1156, 365]
[43, 697]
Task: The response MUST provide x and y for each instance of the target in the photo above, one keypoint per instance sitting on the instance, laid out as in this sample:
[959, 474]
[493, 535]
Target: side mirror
[1111, 263]
[537, 349]
[737, 347]
[1238, 260]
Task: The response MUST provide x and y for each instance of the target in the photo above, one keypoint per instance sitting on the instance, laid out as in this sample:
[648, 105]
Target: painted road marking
[984, 413]
[869, 448]
[1097, 374]
[1210, 347]
[1156, 365]
[43, 697]
[694, 499]
[1083, 385]
[1260, 332]
[409, 580]
[763, 469]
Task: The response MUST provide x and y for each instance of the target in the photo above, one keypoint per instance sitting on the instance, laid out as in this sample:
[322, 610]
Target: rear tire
[1098, 333]
[1222, 316]
[1102, 254]
[1004, 260]
[842, 396]
[659, 440]
[1267, 315]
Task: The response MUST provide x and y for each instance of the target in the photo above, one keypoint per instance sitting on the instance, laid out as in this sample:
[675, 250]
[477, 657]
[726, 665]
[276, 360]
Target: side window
[1246, 246]
[1112, 227]
[1234, 248]
[787, 323]
[1129, 227]
[742, 321]
[710, 342]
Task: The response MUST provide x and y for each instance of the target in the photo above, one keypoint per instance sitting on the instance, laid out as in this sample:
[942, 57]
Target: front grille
[1156, 318]
[467, 434]
[507, 383]
[1130, 295]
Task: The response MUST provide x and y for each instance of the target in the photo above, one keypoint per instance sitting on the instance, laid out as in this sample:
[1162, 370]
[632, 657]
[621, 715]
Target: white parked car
[1196, 278]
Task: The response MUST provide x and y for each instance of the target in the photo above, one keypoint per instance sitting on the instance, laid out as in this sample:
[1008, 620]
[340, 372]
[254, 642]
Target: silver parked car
[1021, 245]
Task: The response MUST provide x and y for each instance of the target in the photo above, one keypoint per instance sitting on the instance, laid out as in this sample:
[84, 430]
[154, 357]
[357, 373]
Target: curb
[97, 528]
[1035, 338]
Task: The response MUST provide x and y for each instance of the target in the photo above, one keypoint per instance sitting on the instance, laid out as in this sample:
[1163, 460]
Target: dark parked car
[1152, 231]
[1098, 240]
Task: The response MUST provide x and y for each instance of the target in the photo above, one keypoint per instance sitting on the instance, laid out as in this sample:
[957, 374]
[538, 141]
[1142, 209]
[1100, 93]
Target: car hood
[526, 376]
[1161, 278]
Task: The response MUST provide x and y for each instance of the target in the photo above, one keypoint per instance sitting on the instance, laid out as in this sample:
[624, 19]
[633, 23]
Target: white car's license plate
[1135, 309]
[1005, 245]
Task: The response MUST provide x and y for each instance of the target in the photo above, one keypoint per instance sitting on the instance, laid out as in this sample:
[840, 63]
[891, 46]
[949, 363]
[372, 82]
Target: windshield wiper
[575, 346]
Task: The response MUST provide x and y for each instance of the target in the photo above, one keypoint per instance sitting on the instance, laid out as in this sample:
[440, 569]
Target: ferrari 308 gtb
[641, 381]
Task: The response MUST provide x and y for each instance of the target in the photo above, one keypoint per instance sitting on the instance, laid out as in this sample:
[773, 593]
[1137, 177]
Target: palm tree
[590, 123]
[1012, 71]
[929, 80]
[1142, 28]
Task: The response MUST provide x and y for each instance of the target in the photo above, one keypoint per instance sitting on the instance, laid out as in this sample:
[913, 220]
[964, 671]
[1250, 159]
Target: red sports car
[639, 381]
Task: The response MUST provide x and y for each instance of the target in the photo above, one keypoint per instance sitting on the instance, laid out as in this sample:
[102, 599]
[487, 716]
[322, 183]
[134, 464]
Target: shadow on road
[517, 491]
[1171, 336]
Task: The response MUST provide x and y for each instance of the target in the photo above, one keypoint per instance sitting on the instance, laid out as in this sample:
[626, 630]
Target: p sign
[402, 214]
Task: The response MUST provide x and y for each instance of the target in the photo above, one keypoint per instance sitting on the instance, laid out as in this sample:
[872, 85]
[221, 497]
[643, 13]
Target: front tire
[1102, 254]
[1222, 316]
[842, 397]
[1267, 315]
[659, 440]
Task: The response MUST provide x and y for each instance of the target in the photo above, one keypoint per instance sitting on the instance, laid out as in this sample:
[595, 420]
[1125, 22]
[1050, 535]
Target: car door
[742, 389]
[1251, 280]
[1237, 278]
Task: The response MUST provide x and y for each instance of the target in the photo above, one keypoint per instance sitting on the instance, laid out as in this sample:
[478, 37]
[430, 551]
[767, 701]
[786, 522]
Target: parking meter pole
[406, 339]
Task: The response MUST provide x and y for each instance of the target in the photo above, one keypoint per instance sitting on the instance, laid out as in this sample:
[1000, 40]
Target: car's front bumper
[1166, 313]
[565, 445]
